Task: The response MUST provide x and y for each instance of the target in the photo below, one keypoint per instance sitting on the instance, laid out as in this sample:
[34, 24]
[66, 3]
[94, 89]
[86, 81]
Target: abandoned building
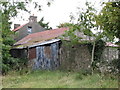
[110, 52]
[31, 27]
[41, 49]
[45, 50]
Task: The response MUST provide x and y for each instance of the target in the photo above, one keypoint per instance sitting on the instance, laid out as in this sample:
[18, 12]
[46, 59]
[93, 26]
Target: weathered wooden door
[47, 57]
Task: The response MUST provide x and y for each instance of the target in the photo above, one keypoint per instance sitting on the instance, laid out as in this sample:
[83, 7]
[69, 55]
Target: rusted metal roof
[111, 44]
[40, 38]
[46, 42]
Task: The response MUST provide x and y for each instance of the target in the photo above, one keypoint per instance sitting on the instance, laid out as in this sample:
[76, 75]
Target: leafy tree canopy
[45, 25]
[109, 20]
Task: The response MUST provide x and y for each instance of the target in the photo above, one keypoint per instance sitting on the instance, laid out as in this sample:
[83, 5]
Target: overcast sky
[57, 13]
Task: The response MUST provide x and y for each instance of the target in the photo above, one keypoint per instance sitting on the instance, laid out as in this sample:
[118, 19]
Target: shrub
[13, 64]
[108, 67]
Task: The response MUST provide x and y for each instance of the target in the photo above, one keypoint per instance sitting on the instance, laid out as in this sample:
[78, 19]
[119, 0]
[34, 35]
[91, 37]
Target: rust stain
[47, 51]
[32, 53]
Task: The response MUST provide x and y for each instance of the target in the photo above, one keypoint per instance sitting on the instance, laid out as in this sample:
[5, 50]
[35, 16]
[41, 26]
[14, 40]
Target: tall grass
[57, 79]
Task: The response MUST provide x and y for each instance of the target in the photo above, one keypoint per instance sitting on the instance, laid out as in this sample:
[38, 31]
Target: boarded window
[32, 53]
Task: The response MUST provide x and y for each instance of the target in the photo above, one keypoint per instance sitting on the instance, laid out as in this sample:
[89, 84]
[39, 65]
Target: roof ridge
[49, 30]
[19, 27]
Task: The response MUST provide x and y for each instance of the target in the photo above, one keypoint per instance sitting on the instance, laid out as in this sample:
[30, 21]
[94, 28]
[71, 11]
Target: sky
[57, 13]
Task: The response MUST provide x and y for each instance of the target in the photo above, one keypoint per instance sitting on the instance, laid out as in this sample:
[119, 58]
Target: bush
[79, 76]
[106, 67]
[13, 64]
[82, 73]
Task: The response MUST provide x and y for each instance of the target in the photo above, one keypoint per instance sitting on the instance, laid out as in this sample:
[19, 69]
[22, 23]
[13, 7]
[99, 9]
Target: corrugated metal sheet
[111, 44]
[45, 42]
[47, 57]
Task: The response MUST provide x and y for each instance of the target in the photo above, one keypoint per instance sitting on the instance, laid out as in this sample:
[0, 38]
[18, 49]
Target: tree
[66, 25]
[45, 25]
[85, 23]
[9, 10]
[0, 42]
[109, 21]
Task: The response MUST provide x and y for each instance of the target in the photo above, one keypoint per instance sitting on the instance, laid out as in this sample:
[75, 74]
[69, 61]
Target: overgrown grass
[57, 79]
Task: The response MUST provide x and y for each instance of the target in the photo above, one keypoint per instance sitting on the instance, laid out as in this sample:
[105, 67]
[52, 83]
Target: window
[29, 29]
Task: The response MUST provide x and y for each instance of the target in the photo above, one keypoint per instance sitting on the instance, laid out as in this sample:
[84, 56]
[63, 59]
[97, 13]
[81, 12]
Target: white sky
[57, 13]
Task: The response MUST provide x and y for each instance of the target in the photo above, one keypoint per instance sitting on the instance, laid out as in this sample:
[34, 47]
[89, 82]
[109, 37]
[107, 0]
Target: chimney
[33, 19]
[16, 25]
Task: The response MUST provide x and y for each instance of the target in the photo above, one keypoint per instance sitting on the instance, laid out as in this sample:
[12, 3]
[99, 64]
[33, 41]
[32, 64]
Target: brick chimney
[33, 19]
[16, 25]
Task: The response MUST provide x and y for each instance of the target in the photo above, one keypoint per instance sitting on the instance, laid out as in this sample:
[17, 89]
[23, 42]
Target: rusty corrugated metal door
[55, 61]
[47, 57]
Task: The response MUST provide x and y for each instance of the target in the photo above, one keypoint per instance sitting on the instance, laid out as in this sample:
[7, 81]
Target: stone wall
[78, 57]
[69, 57]
[75, 57]
[109, 54]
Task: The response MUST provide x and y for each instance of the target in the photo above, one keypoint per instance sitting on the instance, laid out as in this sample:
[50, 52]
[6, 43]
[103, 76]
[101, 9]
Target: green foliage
[86, 20]
[109, 19]
[13, 64]
[44, 25]
[85, 23]
[65, 25]
[115, 64]
[99, 47]
[57, 79]
[74, 39]
[10, 9]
